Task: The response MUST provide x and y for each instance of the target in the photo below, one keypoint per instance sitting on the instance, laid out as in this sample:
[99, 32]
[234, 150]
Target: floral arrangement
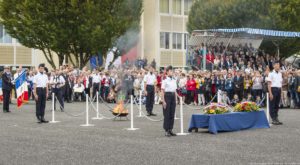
[216, 108]
[246, 107]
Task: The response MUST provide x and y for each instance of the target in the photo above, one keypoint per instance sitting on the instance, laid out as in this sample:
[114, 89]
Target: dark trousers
[95, 89]
[150, 98]
[41, 102]
[239, 92]
[207, 95]
[230, 93]
[169, 112]
[256, 92]
[274, 103]
[6, 98]
[189, 97]
[58, 96]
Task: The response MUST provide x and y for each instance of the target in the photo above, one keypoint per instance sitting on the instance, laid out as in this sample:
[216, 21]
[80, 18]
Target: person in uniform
[96, 78]
[57, 82]
[274, 87]
[6, 88]
[169, 87]
[149, 81]
[40, 82]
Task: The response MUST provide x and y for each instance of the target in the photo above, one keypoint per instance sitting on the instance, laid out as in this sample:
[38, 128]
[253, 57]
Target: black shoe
[152, 114]
[172, 133]
[44, 121]
[149, 114]
[167, 134]
[274, 122]
[279, 123]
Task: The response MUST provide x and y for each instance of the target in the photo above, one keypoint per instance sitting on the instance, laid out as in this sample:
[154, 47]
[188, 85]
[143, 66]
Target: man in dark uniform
[149, 85]
[40, 82]
[169, 87]
[238, 82]
[6, 88]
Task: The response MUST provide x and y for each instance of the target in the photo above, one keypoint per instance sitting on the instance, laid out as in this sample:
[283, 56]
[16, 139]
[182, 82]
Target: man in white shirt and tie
[40, 82]
[150, 82]
[274, 87]
[169, 86]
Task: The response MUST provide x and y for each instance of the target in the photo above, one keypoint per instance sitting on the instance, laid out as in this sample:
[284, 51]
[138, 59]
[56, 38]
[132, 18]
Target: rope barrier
[67, 113]
[147, 117]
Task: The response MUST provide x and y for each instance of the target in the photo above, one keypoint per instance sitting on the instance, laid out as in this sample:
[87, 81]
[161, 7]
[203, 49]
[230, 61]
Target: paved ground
[23, 141]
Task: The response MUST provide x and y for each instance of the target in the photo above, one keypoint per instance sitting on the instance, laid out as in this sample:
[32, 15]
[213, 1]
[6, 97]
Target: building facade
[163, 31]
[163, 37]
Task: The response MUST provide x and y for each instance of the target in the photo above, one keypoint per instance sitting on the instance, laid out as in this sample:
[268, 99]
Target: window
[177, 7]
[164, 40]
[177, 40]
[4, 37]
[186, 37]
[164, 6]
[187, 6]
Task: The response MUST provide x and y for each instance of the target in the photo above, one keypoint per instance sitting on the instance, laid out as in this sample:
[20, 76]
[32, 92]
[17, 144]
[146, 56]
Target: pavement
[23, 141]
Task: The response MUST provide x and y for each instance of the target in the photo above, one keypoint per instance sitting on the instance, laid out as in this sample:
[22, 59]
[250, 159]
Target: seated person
[111, 98]
[235, 100]
[249, 97]
[78, 91]
[225, 99]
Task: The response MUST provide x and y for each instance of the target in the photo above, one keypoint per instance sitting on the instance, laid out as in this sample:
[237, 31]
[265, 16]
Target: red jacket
[191, 85]
[210, 58]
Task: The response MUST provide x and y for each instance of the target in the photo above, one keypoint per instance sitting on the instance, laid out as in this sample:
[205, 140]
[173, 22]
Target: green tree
[269, 14]
[76, 29]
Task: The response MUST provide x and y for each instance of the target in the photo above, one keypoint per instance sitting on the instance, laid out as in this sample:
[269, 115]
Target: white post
[87, 124]
[268, 110]
[131, 115]
[181, 119]
[53, 113]
[97, 110]
[140, 104]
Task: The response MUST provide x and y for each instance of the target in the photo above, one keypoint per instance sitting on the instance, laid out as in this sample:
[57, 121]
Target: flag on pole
[22, 89]
[1, 94]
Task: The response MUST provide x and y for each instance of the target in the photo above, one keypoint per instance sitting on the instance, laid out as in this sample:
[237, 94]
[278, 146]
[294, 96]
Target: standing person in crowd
[190, 87]
[238, 81]
[30, 77]
[40, 82]
[297, 86]
[169, 86]
[257, 86]
[284, 102]
[96, 81]
[207, 87]
[6, 88]
[150, 82]
[229, 86]
[87, 82]
[57, 82]
[274, 88]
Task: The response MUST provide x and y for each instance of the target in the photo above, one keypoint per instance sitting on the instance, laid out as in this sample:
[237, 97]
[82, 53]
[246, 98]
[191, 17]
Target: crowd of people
[237, 73]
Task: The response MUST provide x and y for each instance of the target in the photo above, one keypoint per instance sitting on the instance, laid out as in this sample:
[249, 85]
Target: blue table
[229, 122]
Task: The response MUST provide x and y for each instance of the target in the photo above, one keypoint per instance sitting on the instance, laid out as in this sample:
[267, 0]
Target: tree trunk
[49, 59]
[60, 59]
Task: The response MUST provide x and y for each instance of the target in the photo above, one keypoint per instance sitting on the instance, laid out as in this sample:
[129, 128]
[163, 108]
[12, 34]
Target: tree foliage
[269, 14]
[76, 29]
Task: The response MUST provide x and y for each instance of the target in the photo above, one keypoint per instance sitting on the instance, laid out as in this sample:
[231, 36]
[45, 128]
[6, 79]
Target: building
[163, 31]
[163, 37]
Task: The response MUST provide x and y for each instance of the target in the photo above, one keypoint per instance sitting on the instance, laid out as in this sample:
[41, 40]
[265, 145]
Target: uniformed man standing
[274, 88]
[149, 81]
[6, 88]
[169, 87]
[40, 82]
[57, 82]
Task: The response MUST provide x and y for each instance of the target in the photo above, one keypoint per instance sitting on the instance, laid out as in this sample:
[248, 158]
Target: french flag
[1, 94]
[22, 89]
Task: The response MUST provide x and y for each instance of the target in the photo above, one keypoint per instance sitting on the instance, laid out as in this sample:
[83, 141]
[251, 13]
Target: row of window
[176, 7]
[176, 40]
[4, 37]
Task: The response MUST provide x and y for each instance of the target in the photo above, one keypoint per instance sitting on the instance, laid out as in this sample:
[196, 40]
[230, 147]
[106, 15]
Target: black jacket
[6, 81]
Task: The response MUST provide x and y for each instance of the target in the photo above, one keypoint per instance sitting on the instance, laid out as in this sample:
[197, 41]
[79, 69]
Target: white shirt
[96, 78]
[275, 79]
[41, 80]
[150, 79]
[169, 84]
[57, 79]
